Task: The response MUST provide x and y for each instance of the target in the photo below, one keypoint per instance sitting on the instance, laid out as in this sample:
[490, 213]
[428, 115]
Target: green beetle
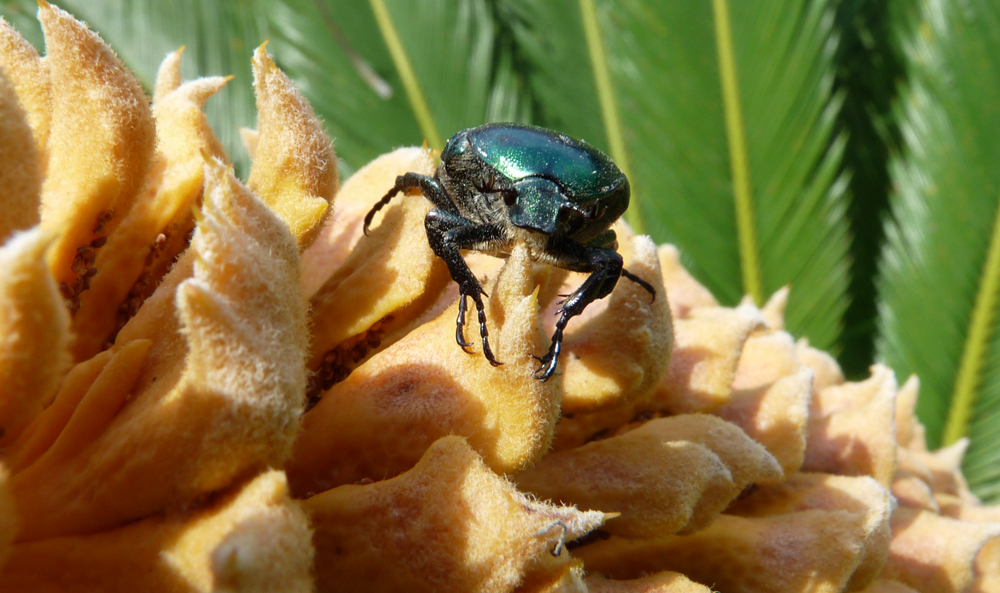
[502, 183]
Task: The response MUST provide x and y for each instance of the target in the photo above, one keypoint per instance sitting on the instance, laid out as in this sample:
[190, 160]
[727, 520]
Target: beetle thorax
[473, 204]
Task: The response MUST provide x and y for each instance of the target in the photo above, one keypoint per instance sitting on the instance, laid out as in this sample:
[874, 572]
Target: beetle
[503, 183]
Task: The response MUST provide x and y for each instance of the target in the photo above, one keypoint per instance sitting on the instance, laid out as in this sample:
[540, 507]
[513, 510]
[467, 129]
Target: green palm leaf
[868, 72]
[452, 69]
[940, 274]
[687, 163]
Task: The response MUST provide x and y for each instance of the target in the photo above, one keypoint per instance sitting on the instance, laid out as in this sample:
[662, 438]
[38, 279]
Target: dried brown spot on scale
[340, 361]
[83, 264]
[142, 288]
[102, 221]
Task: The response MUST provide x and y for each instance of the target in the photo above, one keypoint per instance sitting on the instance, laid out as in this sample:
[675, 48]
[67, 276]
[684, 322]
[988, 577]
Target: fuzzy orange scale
[254, 539]
[811, 550]
[710, 344]
[126, 270]
[685, 293]
[294, 168]
[381, 419]
[669, 475]
[661, 582]
[34, 326]
[87, 192]
[852, 428]
[862, 496]
[343, 230]
[20, 177]
[231, 406]
[447, 524]
[619, 354]
[707, 347]
[391, 273]
[29, 74]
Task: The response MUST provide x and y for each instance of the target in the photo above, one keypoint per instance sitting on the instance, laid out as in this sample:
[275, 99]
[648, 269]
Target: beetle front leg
[428, 186]
[605, 267]
[446, 234]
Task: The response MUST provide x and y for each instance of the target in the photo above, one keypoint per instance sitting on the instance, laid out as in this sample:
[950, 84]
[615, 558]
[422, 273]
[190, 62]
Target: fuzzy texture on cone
[172, 340]
[29, 74]
[254, 539]
[141, 465]
[448, 524]
[20, 181]
[94, 97]
[294, 169]
[381, 419]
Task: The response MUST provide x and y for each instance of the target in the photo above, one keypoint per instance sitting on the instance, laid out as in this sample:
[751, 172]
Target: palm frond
[868, 71]
[940, 272]
[666, 72]
[462, 69]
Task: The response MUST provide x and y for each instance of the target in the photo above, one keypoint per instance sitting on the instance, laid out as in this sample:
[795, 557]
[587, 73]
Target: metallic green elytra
[553, 174]
[500, 184]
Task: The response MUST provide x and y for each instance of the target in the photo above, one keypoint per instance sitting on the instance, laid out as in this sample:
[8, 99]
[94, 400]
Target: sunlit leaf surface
[338, 55]
[938, 310]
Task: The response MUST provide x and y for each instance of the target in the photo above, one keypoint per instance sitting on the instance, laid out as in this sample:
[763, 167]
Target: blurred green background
[848, 148]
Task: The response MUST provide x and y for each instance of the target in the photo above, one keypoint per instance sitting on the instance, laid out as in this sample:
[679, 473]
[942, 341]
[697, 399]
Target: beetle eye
[510, 196]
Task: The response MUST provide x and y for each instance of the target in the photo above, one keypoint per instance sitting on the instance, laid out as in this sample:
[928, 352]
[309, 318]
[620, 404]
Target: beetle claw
[489, 355]
[546, 371]
[548, 362]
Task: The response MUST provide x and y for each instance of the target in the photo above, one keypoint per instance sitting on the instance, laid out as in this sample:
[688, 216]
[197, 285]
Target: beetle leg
[428, 186]
[609, 240]
[447, 233]
[605, 267]
[460, 323]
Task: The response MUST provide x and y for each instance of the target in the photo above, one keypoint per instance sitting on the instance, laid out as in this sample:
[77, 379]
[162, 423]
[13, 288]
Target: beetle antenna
[649, 287]
[378, 206]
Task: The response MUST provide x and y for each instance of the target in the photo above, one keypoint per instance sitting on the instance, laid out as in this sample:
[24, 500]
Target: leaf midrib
[407, 75]
[739, 161]
[609, 107]
[970, 369]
